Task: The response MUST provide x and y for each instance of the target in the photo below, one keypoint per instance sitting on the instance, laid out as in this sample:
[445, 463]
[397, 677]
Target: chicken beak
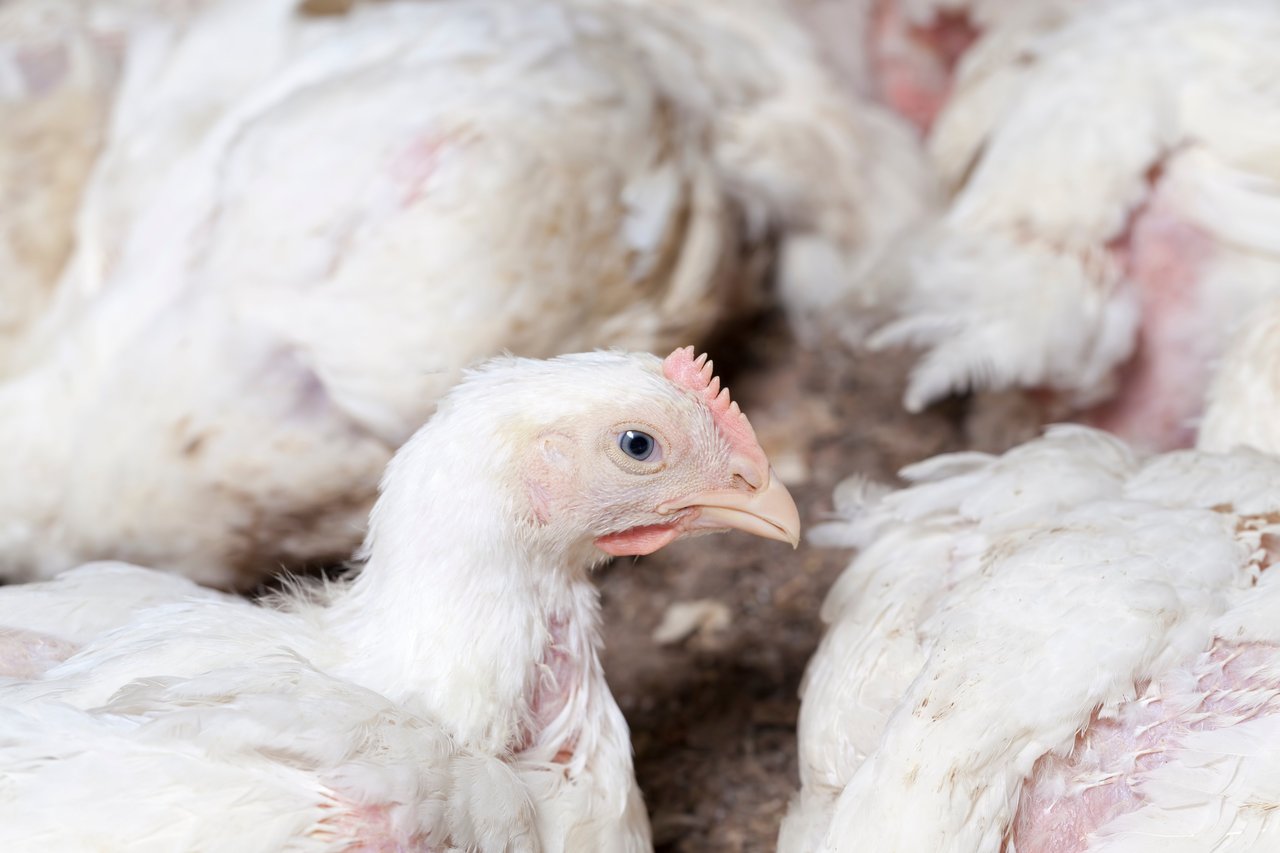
[768, 512]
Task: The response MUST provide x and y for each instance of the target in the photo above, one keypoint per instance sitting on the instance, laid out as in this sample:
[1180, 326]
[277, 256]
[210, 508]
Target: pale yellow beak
[768, 511]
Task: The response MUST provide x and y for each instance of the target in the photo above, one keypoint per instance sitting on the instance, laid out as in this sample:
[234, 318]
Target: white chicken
[449, 696]
[1245, 394]
[1067, 647]
[59, 63]
[435, 183]
[906, 53]
[176, 85]
[61, 69]
[1113, 212]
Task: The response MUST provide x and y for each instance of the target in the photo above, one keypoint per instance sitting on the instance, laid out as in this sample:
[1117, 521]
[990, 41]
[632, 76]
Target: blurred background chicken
[1241, 407]
[1112, 180]
[59, 65]
[1070, 646]
[280, 267]
[906, 53]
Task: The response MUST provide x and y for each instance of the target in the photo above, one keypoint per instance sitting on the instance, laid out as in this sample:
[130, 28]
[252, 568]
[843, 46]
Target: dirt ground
[713, 716]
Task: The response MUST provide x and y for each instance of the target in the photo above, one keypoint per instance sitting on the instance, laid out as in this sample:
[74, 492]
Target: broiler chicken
[59, 64]
[96, 97]
[449, 696]
[432, 184]
[1112, 216]
[1245, 392]
[1070, 647]
[906, 53]
[175, 87]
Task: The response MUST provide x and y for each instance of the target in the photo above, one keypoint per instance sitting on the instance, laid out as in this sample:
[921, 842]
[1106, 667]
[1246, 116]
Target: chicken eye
[638, 445]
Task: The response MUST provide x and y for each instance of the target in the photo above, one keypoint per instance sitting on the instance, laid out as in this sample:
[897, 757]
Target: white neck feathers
[456, 614]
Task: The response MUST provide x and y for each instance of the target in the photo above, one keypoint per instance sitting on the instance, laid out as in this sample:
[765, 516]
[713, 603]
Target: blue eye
[638, 445]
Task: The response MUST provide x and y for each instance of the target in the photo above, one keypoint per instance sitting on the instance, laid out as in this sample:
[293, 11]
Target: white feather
[994, 605]
[286, 261]
[397, 708]
[1049, 145]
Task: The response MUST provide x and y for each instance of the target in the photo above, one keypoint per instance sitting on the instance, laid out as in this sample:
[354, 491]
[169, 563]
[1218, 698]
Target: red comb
[698, 376]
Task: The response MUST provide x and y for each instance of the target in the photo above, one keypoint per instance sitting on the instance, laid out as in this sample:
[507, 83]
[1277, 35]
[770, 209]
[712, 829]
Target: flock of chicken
[248, 248]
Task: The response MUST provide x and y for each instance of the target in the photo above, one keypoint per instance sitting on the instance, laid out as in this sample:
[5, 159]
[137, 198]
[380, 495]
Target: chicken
[1061, 648]
[765, 135]
[59, 64]
[175, 88]
[97, 96]
[1112, 213]
[906, 53]
[1245, 393]
[449, 696]
[433, 184]
[1068, 647]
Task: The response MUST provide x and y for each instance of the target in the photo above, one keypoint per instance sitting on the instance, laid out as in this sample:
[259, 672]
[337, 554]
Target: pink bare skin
[1102, 777]
[1164, 385]
[372, 825]
[29, 654]
[552, 688]
[413, 168]
[913, 66]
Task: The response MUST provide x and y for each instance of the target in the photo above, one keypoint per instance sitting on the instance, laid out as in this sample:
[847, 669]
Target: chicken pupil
[636, 444]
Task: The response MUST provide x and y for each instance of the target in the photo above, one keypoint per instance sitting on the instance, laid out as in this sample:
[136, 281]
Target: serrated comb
[698, 376]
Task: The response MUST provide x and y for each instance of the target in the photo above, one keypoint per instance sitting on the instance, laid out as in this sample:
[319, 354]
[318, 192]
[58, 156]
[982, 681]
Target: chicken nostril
[748, 476]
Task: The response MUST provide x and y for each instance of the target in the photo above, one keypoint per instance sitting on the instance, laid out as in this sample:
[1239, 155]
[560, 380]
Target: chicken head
[649, 451]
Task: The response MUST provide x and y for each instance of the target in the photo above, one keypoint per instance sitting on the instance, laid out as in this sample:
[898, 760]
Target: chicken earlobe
[639, 541]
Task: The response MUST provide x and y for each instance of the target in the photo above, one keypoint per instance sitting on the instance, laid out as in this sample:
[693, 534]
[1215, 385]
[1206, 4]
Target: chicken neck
[457, 614]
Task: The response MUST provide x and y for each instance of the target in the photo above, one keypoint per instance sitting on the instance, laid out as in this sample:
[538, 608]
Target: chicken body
[72, 74]
[1069, 647]
[450, 696]
[434, 183]
[1112, 186]
[1246, 390]
[906, 53]
[175, 85]
[59, 65]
